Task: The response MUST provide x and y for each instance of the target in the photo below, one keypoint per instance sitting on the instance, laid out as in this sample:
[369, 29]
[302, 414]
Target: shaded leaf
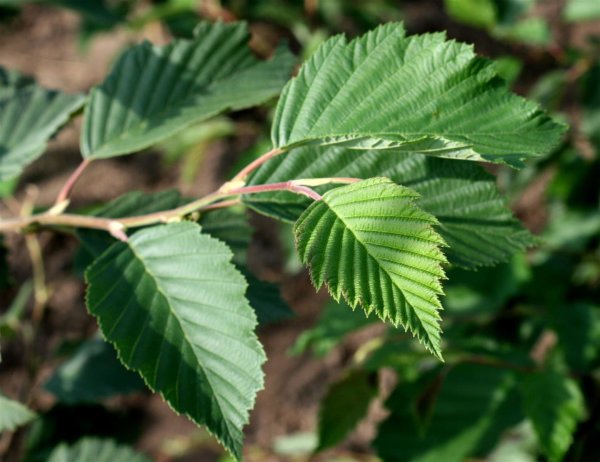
[372, 245]
[95, 242]
[97, 450]
[92, 374]
[13, 414]
[29, 116]
[266, 300]
[420, 94]
[155, 91]
[555, 405]
[473, 217]
[335, 322]
[344, 406]
[578, 329]
[468, 409]
[173, 304]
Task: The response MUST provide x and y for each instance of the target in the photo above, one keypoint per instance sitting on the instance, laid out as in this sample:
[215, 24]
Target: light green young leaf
[13, 414]
[374, 247]
[155, 91]
[478, 13]
[473, 217]
[582, 10]
[344, 406]
[173, 304]
[29, 116]
[468, 409]
[554, 404]
[417, 94]
[97, 450]
[92, 374]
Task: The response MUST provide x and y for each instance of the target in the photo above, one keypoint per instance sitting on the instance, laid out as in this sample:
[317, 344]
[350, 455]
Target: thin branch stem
[63, 195]
[117, 226]
[243, 174]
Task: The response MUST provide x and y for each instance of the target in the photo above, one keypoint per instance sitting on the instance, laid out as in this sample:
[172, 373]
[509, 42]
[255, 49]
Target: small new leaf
[375, 248]
[173, 304]
[419, 94]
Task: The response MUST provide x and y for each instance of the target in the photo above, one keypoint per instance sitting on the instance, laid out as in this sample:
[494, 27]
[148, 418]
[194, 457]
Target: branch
[62, 200]
[116, 227]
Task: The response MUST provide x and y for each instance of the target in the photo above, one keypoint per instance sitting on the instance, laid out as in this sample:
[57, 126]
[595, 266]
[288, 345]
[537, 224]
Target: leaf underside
[29, 116]
[173, 304]
[155, 91]
[420, 94]
[374, 247]
[473, 218]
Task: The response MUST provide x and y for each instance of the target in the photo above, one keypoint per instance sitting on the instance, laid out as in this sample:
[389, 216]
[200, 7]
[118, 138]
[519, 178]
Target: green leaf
[418, 94]
[335, 322]
[466, 411]
[478, 13]
[473, 217]
[230, 226]
[266, 300]
[13, 414]
[578, 329]
[96, 449]
[591, 105]
[372, 245]
[582, 10]
[92, 374]
[94, 242]
[555, 405]
[344, 406]
[155, 91]
[173, 304]
[29, 116]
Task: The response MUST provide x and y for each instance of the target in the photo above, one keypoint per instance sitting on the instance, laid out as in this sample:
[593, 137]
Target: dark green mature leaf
[467, 413]
[555, 405]
[97, 450]
[344, 406]
[155, 91]
[418, 94]
[335, 322]
[13, 414]
[230, 226]
[578, 329]
[473, 217]
[92, 374]
[266, 300]
[591, 105]
[29, 116]
[372, 245]
[173, 304]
